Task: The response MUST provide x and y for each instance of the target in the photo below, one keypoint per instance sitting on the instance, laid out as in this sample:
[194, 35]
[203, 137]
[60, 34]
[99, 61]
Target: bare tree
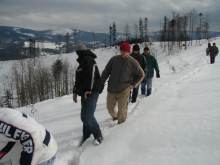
[8, 99]
[57, 68]
[65, 78]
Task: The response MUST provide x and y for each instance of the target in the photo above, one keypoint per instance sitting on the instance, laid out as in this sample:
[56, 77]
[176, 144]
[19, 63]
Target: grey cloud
[96, 15]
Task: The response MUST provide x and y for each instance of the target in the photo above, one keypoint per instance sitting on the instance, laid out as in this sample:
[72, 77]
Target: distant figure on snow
[23, 141]
[87, 85]
[213, 53]
[208, 49]
[124, 74]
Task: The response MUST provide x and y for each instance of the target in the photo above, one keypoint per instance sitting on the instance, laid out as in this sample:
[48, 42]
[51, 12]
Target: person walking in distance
[151, 65]
[213, 53]
[124, 74]
[87, 85]
[208, 49]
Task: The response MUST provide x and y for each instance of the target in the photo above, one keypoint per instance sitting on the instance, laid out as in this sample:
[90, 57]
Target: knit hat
[146, 48]
[125, 47]
[136, 47]
[81, 46]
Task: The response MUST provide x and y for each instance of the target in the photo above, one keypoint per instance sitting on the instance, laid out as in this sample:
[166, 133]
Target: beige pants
[122, 100]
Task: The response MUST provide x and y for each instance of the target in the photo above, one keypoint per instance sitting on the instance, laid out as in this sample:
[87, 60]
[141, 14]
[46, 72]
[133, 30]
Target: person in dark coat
[208, 49]
[87, 85]
[151, 65]
[140, 59]
[213, 53]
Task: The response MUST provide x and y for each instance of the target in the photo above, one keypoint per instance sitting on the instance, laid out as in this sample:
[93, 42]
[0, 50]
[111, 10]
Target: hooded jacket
[87, 74]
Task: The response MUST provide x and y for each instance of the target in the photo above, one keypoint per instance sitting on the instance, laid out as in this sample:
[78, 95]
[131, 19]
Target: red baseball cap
[125, 47]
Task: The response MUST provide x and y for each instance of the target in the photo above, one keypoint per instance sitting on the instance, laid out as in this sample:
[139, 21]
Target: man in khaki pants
[124, 74]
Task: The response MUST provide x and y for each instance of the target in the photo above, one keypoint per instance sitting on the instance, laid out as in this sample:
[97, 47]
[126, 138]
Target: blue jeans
[90, 124]
[49, 162]
[148, 82]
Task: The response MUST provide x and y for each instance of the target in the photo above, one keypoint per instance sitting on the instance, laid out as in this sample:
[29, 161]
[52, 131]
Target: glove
[87, 94]
[158, 75]
[74, 97]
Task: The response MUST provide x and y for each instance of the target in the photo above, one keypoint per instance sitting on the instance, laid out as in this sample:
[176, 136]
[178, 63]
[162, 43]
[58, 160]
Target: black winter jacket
[214, 51]
[140, 59]
[87, 76]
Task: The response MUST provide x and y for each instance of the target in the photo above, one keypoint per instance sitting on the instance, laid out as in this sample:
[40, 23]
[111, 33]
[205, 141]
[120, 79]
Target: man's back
[122, 72]
[214, 51]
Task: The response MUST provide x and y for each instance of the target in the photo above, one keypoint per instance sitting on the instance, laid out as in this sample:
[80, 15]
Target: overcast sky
[96, 15]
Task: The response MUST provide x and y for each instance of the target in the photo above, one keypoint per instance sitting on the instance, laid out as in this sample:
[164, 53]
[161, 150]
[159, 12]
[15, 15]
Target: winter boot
[98, 140]
[83, 139]
[149, 92]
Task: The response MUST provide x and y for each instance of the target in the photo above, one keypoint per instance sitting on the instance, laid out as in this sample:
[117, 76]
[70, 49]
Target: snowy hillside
[6, 67]
[179, 124]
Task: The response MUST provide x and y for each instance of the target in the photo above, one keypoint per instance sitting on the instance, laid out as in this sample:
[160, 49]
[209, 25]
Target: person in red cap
[124, 74]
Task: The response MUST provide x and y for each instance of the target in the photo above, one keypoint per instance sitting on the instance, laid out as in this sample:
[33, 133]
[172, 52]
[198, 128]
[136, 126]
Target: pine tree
[8, 98]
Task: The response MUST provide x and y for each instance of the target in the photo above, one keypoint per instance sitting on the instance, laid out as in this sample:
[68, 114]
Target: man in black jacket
[140, 59]
[87, 85]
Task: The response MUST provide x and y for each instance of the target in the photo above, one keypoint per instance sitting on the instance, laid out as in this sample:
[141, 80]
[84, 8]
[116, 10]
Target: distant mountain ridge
[15, 34]
[13, 38]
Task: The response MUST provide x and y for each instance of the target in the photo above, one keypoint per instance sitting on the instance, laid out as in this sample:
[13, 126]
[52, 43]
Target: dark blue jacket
[151, 64]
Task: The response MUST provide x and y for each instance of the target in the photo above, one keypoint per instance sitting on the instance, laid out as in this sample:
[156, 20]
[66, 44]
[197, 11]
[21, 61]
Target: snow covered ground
[179, 124]
[42, 45]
